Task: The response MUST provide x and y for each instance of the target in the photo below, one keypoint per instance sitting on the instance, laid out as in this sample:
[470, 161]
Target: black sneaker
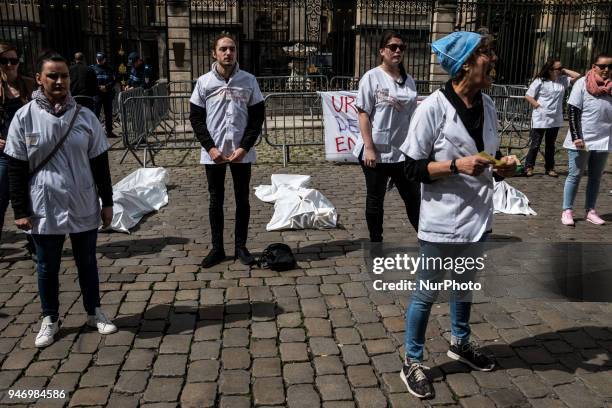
[416, 381]
[469, 354]
[244, 256]
[213, 258]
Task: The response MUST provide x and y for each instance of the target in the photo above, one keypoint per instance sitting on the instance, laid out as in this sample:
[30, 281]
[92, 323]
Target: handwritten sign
[340, 125]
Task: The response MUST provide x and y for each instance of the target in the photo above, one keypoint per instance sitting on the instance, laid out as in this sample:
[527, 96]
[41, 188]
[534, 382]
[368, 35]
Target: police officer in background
[106, 92]
[140, 73]
[83, 83]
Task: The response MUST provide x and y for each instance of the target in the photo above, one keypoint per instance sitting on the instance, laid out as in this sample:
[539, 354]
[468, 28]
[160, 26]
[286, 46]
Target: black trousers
[376, 187]
[105, 100]
[241, 176]
[535, 140]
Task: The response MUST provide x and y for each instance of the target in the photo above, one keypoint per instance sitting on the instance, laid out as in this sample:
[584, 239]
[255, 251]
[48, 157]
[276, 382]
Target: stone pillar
[444, 18]
[179, 41]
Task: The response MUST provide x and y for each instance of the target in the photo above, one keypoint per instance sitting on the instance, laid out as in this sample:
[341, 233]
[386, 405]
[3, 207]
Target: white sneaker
[101, 322]
[46, 333]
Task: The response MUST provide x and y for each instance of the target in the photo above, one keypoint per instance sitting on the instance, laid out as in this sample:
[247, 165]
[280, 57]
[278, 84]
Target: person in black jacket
[83, 82]
[105, 77]
[227, 113]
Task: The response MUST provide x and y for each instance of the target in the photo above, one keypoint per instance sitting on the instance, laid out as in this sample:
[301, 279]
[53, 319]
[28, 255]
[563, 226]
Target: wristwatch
[453, 167]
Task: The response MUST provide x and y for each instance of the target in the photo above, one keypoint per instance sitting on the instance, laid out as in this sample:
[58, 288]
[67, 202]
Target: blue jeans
[578, 160]
[49, 253]
[417, 314]
[4, 189]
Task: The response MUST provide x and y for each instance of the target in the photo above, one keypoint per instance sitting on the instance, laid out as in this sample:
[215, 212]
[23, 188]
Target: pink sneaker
[567, 217]
[593, 218]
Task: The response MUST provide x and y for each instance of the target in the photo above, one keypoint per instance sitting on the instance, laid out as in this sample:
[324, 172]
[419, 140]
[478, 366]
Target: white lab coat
[226, 105]
[63, 195]
[458, 208]
[549, 94]
[390, 107]
[596, 118]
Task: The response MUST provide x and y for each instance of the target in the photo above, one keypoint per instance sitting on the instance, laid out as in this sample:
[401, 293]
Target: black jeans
[535, 140]
[241, 175]
[49, 253]
[376, 187]
[105, 100]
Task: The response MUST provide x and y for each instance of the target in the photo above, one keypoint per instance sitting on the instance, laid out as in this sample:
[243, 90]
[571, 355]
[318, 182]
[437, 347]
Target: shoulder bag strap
[59, 144]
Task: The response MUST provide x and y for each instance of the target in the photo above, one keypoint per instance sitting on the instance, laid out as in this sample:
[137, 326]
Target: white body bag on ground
[508, 200]
[138, 194]
[295, 205]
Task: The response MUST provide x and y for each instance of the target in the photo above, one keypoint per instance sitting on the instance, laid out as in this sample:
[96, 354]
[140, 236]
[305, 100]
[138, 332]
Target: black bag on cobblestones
[277, 257]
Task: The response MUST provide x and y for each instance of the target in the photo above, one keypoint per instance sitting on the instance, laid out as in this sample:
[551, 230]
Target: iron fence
[330, 38]
[527, 32]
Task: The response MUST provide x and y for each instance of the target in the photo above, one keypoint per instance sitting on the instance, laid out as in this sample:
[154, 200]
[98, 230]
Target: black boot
[214, 257]
[245, 257]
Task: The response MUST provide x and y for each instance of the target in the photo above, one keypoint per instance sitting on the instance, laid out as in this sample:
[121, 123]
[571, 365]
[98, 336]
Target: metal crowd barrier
[158, 118]
[293, 119]
[515, 124]
[344, 83]
[144, 114]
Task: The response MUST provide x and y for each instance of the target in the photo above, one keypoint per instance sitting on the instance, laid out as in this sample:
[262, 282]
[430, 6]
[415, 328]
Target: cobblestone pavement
[318, 335]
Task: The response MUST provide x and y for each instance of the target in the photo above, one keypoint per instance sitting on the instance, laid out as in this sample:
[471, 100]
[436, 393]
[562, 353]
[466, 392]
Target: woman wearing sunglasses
[386, 99]
[15, 91]
[58, 170]
[589, 139]
[545, 94]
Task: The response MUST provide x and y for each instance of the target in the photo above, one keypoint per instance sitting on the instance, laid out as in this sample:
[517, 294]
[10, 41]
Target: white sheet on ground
[509, 200]
[138, 194]
[295, 205]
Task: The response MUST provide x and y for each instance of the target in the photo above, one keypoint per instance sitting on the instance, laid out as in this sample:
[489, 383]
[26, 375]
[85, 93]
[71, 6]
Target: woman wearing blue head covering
[451, 139]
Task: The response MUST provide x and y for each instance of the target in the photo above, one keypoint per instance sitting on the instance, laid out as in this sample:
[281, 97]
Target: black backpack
[277, 257]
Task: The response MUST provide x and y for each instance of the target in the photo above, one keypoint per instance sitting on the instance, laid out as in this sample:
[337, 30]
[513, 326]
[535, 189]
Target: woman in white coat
[589, 139]
[58, 171]
[386, 99]
[447, 132]
[545, 95]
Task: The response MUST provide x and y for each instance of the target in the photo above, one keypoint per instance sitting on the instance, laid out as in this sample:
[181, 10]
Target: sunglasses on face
[55, 75]
[603, 66]
[6, 61]
[557, 69]
[395, 47]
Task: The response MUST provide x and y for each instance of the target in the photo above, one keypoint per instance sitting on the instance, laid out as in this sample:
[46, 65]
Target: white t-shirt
[549, 95]
[390, 107]
[596, 118]
[226, 105]
[63, 194]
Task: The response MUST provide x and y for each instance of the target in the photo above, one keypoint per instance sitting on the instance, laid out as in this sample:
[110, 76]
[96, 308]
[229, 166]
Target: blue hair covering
[454, 49]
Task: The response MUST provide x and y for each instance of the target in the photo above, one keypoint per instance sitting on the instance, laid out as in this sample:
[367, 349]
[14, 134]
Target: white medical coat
[390, 107]
[63, 196]
[596, 118]
[549, 95]
[226, 105]
[458, 208]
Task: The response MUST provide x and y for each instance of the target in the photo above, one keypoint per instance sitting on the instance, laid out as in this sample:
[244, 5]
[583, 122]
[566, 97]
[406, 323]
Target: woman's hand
[369, 156]
[507, 168]
[579, 143]
[24, 224]
[472, 165]
[107, 216]
[217, 156]
[2, 144]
